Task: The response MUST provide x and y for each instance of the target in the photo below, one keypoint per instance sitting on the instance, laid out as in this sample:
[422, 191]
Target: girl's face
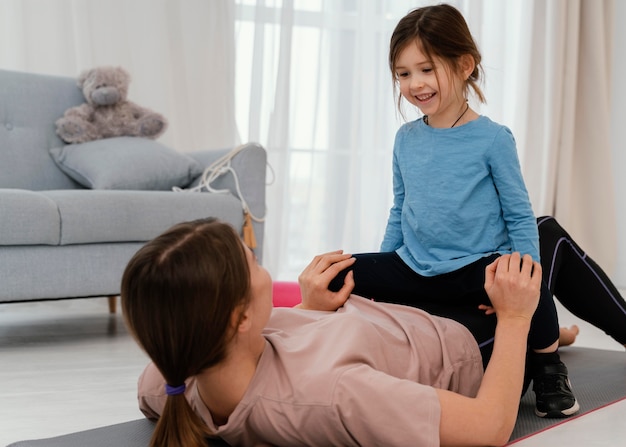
[428, 85]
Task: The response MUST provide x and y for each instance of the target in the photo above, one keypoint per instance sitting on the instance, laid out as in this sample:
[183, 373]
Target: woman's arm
[489, 418]
[316, 277]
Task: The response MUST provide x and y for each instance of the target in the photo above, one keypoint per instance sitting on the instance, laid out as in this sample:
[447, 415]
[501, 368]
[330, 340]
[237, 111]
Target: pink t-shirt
[363, 375]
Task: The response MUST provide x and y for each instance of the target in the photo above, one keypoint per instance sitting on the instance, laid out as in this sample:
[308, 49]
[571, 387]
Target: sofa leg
[112, 304]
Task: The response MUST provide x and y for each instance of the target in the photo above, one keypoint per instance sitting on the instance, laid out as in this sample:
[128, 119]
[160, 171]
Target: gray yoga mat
[598, 378]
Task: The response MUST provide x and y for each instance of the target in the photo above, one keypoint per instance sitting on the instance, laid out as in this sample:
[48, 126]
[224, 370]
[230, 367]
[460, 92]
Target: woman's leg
[578, 282]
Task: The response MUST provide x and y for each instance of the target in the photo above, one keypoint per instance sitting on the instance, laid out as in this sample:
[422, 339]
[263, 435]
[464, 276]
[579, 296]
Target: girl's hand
[316, 277]
[488, 309]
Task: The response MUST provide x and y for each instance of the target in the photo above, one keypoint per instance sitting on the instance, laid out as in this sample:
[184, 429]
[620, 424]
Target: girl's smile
[425, 98]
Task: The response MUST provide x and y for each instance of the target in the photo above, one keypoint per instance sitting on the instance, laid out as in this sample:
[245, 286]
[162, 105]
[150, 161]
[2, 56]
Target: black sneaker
[553, 392]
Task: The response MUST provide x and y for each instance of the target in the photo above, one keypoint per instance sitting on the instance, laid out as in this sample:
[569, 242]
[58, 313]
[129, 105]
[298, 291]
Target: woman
[336, 370]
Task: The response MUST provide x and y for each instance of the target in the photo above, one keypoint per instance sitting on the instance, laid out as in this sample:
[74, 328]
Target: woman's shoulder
[151, 382]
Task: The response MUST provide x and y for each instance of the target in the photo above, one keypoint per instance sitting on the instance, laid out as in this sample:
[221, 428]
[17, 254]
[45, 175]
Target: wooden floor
[65, 366]
[70, 365]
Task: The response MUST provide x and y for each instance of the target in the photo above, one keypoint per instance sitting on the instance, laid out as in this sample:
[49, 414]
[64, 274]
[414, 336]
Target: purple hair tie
[174, 390]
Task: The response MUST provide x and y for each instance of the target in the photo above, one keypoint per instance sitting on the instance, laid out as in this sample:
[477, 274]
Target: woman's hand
[316, 277]
[513, 283]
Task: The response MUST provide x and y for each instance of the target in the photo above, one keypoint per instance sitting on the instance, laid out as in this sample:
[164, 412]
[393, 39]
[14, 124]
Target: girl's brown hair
[441, 31]
[179, 292]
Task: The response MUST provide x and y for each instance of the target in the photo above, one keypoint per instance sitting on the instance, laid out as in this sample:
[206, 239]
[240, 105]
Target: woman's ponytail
[179, 425]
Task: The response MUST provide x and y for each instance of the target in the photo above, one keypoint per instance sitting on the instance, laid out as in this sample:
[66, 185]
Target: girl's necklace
[457, 120]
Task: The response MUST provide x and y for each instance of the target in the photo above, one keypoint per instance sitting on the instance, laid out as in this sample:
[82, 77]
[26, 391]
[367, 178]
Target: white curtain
[563, 99]
[309, 80]
[313, 86]
[585, 189]
[618, 118]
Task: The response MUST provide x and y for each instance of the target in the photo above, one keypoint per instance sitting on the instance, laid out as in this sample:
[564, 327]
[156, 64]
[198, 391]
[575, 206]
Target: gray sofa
[71, 216]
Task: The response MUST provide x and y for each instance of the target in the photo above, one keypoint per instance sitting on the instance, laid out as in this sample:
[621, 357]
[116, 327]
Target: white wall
[618, 139]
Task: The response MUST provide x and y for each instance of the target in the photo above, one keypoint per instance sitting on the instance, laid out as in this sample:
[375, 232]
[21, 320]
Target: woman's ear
[240, 319]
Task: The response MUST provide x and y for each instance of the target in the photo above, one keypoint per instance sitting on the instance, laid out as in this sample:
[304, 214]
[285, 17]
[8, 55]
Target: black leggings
[577, 281]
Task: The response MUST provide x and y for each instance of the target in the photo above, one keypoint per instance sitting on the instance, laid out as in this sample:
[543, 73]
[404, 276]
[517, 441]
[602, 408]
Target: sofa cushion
[129, 163]
[28, 218]
[96, 216]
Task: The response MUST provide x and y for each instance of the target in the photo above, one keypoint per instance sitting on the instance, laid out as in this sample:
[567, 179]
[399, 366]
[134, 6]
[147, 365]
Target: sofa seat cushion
[64, 217]
[28, 218]
[96, 216]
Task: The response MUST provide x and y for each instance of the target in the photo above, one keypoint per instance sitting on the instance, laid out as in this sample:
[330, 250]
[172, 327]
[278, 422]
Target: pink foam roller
[286, 294]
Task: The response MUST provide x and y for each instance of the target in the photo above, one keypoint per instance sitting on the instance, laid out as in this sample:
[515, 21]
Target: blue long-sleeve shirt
[459, 195]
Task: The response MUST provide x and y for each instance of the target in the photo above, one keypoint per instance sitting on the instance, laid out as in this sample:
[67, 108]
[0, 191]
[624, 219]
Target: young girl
[335, 371]
[459, 199]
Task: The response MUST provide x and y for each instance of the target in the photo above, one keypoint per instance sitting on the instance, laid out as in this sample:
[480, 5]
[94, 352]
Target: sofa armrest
[249, 165]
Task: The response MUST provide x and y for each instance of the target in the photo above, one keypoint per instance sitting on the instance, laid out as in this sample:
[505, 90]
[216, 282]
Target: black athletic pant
[456, 295]
[578, 282]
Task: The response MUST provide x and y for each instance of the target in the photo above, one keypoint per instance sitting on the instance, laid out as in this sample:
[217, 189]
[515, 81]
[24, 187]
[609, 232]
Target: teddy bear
[107, 113]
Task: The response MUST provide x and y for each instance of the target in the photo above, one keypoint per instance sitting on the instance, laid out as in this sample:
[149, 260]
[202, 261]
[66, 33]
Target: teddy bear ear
[123, 74]
[82, 77]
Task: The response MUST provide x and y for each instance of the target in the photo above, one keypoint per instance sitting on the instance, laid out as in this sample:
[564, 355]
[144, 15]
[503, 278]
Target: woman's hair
[441, 31]
[179, 292]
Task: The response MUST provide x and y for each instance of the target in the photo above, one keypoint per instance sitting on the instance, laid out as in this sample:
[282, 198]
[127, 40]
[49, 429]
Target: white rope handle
[215, 170]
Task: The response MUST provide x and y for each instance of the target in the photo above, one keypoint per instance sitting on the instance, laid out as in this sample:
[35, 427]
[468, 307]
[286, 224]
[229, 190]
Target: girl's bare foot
[567, 335]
